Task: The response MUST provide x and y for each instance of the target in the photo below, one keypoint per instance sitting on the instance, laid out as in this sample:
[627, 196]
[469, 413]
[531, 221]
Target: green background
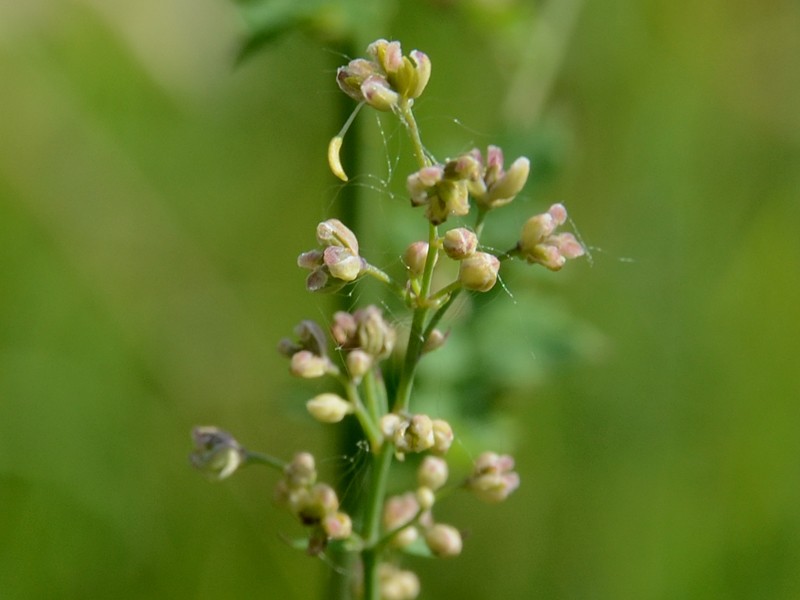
[153, 199]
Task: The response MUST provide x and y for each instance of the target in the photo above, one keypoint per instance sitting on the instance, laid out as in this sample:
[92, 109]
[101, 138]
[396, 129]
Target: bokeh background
[155, 191]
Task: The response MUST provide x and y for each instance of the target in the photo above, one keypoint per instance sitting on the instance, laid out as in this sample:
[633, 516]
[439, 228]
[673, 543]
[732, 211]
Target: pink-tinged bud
[309, 366]
[419, 184]
[397, 584]
[302, 471]
[379, 94]
[493, 478]
[217, 454]
[338, 526]
[358, 364]
[442, 436]
[444, 540]
[414, 258]
[329, 408]
[335, 233]
[342, 263]
[397, 512]
[343, 327]
[320, 280]
[539, 244]
[460, 243]
[432, 472]
[479, 272]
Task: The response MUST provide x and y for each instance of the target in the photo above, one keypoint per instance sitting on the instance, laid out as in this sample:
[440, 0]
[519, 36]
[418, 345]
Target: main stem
[382, 458]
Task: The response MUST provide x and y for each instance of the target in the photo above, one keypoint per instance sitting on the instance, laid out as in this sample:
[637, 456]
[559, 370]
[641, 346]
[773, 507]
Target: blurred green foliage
[153, 199]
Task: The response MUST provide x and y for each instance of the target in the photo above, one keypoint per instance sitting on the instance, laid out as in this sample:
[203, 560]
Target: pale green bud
[442, 436]
[426, 498]
[358, 364]
[302, 471]
[329, 408]
[479, 272]
[307, 365]
[415, 435]
[444, 540]
[509, 185]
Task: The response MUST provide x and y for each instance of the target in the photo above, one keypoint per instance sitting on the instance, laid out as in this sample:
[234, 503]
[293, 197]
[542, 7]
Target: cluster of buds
[337, 263]
[444, 189]
[540, 244]
[477, 271]
[494, 186]
[396, 583]
[493, 477]
[216, 453]
[408, 516]
[309, 355]
[314, 504]
[416, 433]
[364, 331]
[386, 79]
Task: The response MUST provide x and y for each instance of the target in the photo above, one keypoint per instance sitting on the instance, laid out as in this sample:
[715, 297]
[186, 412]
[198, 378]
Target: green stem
[381, 464]
[365, 418]
[257, 458]
[384, 277]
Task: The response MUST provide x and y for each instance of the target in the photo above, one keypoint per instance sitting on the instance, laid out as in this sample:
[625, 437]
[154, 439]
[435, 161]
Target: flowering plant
[354, 350]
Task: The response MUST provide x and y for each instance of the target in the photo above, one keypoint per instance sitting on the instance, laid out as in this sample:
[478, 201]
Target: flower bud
[338, 526]
[442, 436]
[379, 94]
[389, 423]
[435, 340]
[509, 185]
[329, 408]
[415, 435]
[352, 76]
[302, 471]
[342, 263]
[334, 233]
[321, 502]
[426, 498]
[539, 244]
[358, 364]
[396, 583]
[313, 259]
[493, 478]
[309, 366]
[432, 472]
[444, 540]
[217, 454]
[460, 243]
[414, 258]
[320, 280]
[397, 512]
[375, 335]
[479, 272]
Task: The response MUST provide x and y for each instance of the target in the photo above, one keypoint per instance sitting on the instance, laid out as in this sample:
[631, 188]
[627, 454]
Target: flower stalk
[354, 350]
